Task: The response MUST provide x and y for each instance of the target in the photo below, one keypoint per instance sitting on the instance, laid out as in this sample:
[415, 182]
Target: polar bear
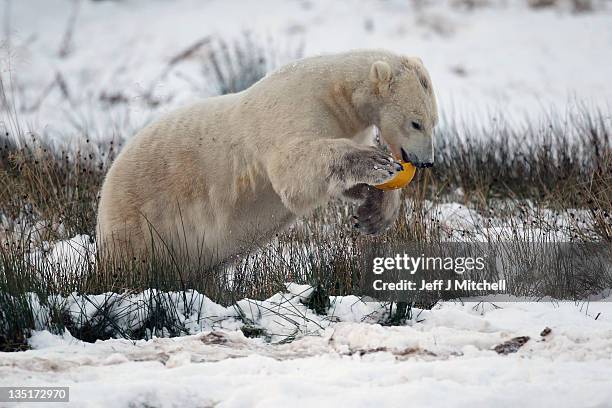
[216, 178]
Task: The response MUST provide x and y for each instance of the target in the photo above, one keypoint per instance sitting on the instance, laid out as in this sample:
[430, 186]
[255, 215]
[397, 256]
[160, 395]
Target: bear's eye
[416, 125]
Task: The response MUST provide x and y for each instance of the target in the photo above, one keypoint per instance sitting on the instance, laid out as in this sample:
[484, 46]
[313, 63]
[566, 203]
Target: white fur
[227, 173]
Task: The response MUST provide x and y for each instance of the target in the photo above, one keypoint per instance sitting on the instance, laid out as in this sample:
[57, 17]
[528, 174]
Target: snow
[459, 223]
[443, 357]
[501, 58]
[69, 256]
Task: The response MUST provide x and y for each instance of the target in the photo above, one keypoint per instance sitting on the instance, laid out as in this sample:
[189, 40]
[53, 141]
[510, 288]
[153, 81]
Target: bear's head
[398, 97]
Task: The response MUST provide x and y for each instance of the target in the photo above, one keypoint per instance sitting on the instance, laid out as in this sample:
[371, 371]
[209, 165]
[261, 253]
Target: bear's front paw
[377, 213]
[369, 165]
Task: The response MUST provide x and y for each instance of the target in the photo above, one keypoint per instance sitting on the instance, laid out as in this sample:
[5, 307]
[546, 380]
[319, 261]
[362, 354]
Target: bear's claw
[370, 165]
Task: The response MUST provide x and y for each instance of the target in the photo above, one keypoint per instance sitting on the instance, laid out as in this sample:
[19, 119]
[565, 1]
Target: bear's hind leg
[377, 210]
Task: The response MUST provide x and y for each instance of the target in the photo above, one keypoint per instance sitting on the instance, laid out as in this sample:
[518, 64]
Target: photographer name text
[439, 285]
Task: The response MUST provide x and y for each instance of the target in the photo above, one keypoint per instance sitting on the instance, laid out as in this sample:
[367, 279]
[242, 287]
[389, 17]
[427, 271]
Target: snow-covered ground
[503, 57]
[447, 356]
[443, 357]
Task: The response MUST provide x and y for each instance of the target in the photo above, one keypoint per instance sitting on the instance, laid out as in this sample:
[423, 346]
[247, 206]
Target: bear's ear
[415, 65]
[380, 74]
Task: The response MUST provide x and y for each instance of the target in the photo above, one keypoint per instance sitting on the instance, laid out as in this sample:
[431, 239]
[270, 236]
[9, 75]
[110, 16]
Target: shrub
[235, 66]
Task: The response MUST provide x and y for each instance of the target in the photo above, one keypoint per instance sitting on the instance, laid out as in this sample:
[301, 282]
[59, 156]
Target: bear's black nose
[413, 159]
